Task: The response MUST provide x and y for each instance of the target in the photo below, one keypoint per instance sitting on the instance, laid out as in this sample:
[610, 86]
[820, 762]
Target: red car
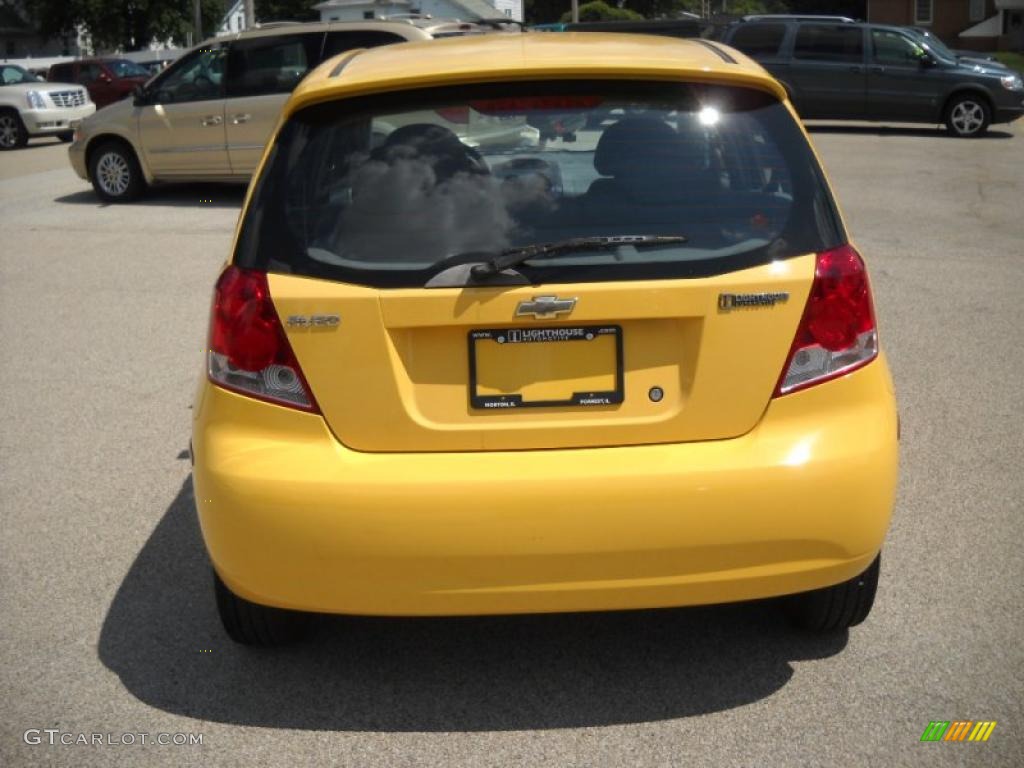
[107, 80]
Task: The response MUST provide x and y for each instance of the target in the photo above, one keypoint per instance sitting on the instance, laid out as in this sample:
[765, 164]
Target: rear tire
[838, 607]
[258, 625]
[12, 131]
[968, 116]
[115, 173]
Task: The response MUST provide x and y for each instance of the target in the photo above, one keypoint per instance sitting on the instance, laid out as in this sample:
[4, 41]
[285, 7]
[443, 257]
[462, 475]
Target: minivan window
[895, 49]
[339, 42]
[198, 76]
[264, 65]
[387, 190]
[759, 39]
[829, 43]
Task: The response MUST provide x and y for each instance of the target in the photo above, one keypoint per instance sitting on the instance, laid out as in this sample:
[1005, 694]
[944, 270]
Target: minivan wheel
[968, 116]
[115, 173]
[260, 625]
[12, 130]
[838, 607]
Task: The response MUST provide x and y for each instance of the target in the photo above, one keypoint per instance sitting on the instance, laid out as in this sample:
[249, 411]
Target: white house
[233, 20]
[465, 10]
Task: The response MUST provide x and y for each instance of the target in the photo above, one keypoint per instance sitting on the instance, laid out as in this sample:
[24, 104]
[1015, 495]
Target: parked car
[633, 372]
[32, 107]
[208, 115]
[108, 80]
[853, 71]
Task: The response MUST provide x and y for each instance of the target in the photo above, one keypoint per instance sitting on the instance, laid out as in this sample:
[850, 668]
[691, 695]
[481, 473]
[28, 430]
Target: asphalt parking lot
[108, 625]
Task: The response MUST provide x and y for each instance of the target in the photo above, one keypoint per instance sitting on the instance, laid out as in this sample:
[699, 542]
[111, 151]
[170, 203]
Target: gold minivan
[209, 115]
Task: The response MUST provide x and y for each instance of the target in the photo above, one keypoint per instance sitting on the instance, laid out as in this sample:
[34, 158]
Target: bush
[597, 10]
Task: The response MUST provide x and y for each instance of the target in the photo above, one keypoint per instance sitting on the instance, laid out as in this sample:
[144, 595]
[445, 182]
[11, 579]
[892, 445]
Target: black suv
[851, 71]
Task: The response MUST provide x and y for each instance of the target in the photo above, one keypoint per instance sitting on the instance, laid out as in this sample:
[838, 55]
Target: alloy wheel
[113, 174]
[967, 117]
[8, 131]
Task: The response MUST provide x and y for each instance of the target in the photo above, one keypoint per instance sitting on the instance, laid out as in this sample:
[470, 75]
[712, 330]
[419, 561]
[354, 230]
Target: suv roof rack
[276, 24]
[797, 17]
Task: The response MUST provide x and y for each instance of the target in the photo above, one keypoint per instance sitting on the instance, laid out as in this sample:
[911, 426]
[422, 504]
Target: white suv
[30, 107]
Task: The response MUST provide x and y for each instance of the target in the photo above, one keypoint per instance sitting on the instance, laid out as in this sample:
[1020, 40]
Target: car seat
[437, 145]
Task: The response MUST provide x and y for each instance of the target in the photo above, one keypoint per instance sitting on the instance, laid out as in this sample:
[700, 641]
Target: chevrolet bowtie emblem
[545, 306]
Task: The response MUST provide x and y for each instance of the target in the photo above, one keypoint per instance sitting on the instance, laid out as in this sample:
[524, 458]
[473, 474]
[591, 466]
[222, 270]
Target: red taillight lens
[837, 333]
[249, 352]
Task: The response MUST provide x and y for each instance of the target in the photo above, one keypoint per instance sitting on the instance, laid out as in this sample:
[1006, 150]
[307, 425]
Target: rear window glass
[387, 190]
[125, 68]
[758, 39]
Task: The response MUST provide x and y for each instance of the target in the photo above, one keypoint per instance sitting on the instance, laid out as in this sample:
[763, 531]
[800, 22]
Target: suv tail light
[837, 332]
[249, 352]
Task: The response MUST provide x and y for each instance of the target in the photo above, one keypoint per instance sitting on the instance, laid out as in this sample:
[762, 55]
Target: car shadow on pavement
[162, 637]
[891, 130]
[177, 195]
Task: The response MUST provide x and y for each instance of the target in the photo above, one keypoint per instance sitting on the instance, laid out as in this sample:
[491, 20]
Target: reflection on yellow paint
[800, 453]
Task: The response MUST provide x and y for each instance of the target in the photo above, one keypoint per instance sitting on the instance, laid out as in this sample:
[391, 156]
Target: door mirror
[139, 96]
[103, 77]
[926, 59]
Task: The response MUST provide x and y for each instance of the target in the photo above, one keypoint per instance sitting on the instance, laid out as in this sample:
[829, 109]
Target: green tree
[544, 11]
[126, 25]
[598, 10]
[286, 10]
[656, 9]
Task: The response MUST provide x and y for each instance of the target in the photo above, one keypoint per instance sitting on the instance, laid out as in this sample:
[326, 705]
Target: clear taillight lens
[837, 333]
[249, 352]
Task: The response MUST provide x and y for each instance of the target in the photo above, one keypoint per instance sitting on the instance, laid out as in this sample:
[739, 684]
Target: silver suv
[30, 107]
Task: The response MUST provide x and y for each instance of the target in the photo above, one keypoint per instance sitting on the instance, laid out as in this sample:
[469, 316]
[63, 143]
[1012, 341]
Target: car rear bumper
[293, 518]
[44, 122]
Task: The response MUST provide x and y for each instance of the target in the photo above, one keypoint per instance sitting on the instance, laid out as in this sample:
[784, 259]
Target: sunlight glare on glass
[708, 116]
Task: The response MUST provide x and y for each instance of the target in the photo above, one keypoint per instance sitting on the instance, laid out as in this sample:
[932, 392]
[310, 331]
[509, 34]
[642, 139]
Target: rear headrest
[435, 143]
[641, 145]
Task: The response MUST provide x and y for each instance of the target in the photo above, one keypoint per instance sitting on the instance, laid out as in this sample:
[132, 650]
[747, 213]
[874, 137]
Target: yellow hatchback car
[632, 366]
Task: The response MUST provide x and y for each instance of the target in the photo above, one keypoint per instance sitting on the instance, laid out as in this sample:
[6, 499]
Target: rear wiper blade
[511, 257]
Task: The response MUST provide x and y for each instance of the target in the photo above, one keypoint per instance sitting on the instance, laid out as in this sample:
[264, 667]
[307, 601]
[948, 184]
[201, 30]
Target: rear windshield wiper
[511, 257]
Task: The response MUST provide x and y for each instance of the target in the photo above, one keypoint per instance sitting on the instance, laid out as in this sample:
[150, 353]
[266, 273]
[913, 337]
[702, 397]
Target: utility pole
[250, 14]
[575, 11]
[197, 20]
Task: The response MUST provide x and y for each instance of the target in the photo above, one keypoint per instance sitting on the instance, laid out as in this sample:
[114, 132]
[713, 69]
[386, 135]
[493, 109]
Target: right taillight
[837, 332]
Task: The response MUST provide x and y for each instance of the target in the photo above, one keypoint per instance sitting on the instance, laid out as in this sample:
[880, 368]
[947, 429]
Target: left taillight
[837, 333]
[248, 350]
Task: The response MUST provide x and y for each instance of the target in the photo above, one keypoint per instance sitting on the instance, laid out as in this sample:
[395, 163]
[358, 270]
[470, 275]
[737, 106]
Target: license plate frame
[578, 334]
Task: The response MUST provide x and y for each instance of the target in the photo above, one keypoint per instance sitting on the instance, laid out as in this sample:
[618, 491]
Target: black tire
[12, 131]
[115, 172]
[259, 625]
[838, 607]
[66, 136]
[968, 115]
